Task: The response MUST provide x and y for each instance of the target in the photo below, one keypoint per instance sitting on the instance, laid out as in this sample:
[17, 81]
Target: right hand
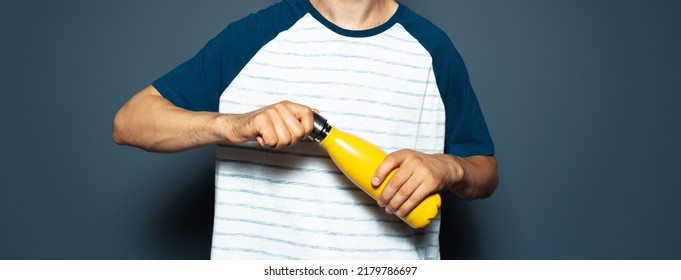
[274, 126]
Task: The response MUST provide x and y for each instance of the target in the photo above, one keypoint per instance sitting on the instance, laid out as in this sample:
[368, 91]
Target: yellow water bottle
[358, 159]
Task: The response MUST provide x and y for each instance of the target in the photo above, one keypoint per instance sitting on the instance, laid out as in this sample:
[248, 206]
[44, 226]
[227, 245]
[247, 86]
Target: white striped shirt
[378, 84]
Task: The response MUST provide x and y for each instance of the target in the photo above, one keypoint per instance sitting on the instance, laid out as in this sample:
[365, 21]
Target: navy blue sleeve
[466, 132]
[195, 84]
[198, 83]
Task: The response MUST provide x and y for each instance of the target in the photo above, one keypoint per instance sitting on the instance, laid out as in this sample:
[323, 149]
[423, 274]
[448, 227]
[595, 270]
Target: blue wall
[580, 97]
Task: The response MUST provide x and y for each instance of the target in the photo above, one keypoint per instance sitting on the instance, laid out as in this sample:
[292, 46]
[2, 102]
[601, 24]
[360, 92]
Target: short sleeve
[195, 84]
[466, 132]
[198, 83]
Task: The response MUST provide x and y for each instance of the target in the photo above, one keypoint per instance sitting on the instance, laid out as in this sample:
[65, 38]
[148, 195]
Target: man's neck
[356, 14]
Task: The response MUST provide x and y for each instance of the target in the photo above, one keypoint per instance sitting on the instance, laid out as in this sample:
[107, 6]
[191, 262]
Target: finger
[293, 124]
[403, 194]
[394, 183]
[260, 141]
[281, 131]
[307, 121]
[391, 162]
[266, 124]
[414, 200]
[266, 134]
[304, 116]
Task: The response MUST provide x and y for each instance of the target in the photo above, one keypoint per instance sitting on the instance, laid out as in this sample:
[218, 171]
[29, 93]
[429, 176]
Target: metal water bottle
[358, 159]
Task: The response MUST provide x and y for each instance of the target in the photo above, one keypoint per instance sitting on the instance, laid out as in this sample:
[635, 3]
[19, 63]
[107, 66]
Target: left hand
[418, 176]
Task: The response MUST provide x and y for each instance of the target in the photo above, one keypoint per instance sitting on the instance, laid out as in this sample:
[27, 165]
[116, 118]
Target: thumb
[390, 163]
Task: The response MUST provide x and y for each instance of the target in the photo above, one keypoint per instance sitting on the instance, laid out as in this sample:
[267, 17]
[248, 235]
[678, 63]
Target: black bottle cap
[320, 129]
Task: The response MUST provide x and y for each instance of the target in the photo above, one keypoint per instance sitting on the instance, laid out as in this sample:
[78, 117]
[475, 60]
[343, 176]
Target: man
[373, 68]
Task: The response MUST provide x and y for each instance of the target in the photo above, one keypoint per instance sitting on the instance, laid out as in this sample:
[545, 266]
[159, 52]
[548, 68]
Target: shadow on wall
[184, 223]
[457, 234]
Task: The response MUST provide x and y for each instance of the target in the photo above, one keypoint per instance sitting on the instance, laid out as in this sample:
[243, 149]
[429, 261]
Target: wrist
[456, 172]
[228, 128]
[220, 127]
[474, 177]
[453, 174]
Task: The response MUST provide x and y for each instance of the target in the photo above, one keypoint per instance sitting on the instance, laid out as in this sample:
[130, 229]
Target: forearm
[471, 177]
[151, 122]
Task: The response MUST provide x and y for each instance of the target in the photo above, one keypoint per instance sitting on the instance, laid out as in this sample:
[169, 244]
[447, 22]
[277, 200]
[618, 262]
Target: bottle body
[358, 159]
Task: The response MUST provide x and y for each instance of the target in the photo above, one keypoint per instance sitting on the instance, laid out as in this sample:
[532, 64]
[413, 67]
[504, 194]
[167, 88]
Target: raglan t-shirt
[401, 85]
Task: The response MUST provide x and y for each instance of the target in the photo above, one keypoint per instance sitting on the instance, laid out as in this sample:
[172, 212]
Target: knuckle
[404, 153]
[266, 142]
[397, 177]
[413, 199]
[391, 158]
[299, 134]
[259, 118]
[398, 197]
[406, 208]
[297, 130]
[284, 104]
[284, 141]
[416, 198]
[280, 145]
[386, 195]
[274, 110]
[404, 191]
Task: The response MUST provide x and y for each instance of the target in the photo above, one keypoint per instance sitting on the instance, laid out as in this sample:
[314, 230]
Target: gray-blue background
[581, 98]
